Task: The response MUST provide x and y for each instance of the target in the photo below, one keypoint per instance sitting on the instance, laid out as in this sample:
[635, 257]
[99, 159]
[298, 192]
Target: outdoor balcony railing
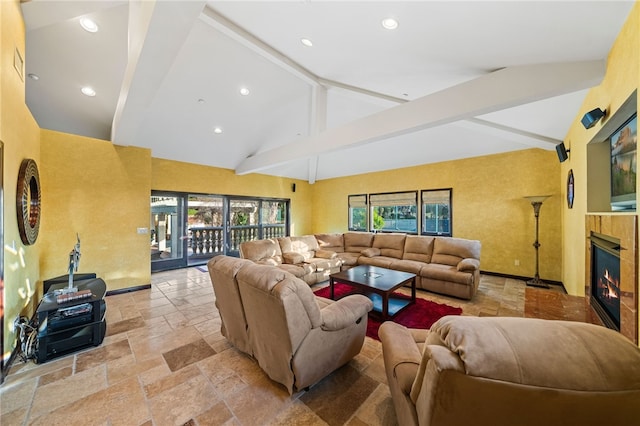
[208, 241]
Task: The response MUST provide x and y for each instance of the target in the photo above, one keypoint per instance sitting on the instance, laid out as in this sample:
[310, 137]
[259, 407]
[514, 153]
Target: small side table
[67, 327]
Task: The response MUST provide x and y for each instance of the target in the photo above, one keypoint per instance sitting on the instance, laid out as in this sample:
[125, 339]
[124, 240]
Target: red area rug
[421, 314]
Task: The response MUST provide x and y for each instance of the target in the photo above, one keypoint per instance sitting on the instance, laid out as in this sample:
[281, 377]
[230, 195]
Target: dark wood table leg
[413, 290]
[331, 288]
[385, 306]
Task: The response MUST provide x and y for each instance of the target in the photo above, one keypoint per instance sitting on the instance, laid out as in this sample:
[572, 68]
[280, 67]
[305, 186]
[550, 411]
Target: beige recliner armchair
[511, 371]
[296, 337]
[223, 271]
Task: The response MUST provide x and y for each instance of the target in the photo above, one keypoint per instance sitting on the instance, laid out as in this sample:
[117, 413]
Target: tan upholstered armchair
[511, 371]
[223, 271]
[296, 337]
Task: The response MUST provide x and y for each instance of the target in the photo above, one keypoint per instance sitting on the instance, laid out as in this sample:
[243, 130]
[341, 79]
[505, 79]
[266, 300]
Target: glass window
[437, 212]
[358, 212]
[394, 212]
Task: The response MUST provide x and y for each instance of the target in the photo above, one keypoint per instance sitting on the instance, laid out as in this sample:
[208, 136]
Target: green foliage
[378, 221]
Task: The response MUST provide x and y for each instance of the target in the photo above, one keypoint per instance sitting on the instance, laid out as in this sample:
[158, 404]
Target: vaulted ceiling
[455, 79]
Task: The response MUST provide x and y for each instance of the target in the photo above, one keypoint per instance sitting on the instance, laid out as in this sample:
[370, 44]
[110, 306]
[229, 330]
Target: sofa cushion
[262, 251]
[418, 248]
[446, 273]
[299, 270]
[390, 245]
[380, 261]
[370, 252]
[306, 245]
[450, 251]
[333, 242]
[292, 258]
[349, 259]
[411, 266]
[326, 254]
[355, 242]
[322, 265]
[468, 265]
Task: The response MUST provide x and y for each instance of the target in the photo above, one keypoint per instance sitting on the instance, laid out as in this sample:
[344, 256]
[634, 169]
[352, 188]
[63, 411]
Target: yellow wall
[185, 177]
[21, 138]
[100, 192]
[621, 79]
[488, 205]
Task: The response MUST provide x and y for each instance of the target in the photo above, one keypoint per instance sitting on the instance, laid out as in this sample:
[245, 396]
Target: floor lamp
[536, 202]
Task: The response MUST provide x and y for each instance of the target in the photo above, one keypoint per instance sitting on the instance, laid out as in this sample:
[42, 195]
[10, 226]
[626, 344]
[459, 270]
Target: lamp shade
[537, 198]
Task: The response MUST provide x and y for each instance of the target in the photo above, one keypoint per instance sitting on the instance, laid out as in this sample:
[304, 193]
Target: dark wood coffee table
[378, 285]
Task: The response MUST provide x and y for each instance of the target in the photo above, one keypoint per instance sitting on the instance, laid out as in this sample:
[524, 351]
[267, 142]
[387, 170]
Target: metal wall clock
[570, 189]
[28, 201]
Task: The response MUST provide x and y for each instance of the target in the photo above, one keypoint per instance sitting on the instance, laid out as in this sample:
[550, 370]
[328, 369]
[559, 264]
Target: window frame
[357, 204]
[423, 230]
[402, 196]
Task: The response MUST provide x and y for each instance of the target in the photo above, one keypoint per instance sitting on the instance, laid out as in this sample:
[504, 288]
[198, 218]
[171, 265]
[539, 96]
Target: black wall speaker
[562, 152]
[592, 118]
[293, 187]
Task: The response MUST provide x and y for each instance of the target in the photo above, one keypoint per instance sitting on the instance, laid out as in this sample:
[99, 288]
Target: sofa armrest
[326, 254]
[468, 265]
[345, 312]
[371, 252]
[292, 258]
[401, 352]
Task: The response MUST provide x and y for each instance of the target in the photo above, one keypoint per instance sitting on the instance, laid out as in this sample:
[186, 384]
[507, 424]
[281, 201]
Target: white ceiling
[456, 79]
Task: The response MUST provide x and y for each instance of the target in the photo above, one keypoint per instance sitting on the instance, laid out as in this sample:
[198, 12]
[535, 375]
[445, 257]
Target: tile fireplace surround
[623, 227]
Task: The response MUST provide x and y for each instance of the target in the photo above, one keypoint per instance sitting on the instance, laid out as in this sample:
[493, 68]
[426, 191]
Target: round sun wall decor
[28, 200]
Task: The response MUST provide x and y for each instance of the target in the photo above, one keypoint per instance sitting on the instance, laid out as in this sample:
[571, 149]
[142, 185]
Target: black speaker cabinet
[562, 152]
[592, 118]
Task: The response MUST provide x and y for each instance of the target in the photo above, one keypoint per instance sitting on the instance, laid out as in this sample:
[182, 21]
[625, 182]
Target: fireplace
[605, 279]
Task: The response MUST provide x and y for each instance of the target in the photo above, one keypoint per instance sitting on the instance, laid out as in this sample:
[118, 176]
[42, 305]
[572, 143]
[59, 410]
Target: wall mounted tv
[623, 143]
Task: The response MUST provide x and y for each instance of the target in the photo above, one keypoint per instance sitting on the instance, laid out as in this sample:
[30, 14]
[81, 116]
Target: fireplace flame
[610, 284]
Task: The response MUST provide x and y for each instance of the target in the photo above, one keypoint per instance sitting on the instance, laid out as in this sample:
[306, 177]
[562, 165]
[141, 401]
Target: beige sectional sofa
[511, 371]
[443, 265]
[296, 337]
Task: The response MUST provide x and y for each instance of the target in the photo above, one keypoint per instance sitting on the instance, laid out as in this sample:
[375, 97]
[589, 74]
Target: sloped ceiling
[456, 79]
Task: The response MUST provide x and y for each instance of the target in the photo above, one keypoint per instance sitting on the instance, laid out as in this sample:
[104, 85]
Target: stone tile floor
[164, 362]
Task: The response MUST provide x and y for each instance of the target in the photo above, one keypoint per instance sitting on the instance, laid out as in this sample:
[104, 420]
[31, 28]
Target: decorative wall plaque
[28, 201]
[570, 189]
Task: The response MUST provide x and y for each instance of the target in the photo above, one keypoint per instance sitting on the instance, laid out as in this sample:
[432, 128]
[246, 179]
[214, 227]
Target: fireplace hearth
[605, 276]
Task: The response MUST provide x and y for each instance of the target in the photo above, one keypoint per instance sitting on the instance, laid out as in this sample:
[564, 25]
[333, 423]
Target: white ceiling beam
[318, 123]
[523, 137]
[505, 88]
[157, 31]
[232, 30]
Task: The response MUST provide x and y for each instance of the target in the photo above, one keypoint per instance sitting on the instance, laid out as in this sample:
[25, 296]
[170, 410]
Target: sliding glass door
[168, 247]
[189, 229]
[205, 222]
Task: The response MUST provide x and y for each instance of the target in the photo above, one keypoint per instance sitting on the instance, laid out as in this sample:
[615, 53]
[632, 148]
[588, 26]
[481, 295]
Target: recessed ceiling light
[390, 23]
[88, 91]
[33, 76]
[244, 91]
[306, 42]
[89, 25]
[217, 130]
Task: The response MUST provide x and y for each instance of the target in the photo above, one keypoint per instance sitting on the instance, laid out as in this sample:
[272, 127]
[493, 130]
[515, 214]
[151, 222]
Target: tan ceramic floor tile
[126, 367]
[183, 402]
[188, 354]
[378, 409]
[63, 392]
[260, 403]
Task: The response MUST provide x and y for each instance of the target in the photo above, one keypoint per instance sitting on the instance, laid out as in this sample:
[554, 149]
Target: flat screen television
[623, 143]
